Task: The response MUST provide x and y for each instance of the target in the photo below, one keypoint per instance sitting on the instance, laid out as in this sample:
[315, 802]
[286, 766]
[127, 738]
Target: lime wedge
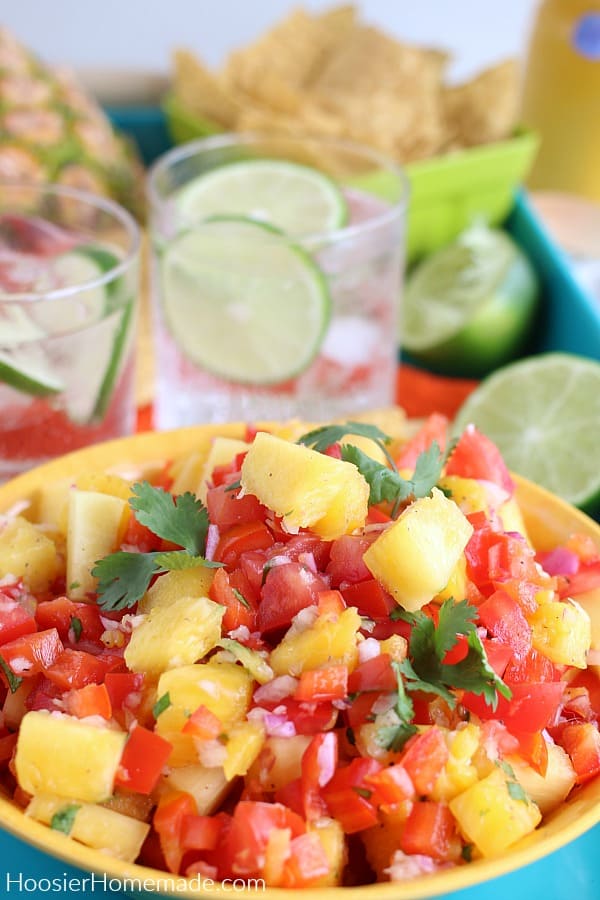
[297, 199]
[544, 414]
[468, 307]
[244, 303]
[27, 370]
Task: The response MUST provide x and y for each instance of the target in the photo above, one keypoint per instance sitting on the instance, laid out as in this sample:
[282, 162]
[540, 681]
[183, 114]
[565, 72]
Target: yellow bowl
[548, 519]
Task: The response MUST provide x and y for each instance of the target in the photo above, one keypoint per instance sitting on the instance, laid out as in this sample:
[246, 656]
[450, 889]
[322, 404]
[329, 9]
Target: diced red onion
[212, 539]
[276, 690]
[368, 649]
[560, 561]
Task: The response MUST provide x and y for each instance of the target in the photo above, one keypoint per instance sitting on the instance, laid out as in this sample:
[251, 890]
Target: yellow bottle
[561, 96]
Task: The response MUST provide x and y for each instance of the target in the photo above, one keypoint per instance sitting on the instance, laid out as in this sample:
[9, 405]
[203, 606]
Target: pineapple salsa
[316, 659]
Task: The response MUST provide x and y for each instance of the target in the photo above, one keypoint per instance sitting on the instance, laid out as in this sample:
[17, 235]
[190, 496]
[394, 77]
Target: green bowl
[447, 192]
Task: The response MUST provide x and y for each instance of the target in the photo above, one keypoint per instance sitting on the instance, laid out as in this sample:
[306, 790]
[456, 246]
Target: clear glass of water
[68, 297]
[277, 266]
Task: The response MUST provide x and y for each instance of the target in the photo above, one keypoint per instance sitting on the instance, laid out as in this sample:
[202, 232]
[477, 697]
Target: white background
[141, 33]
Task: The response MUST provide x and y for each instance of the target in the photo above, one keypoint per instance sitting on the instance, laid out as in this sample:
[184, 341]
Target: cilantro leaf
[181, 559]
[239, 596]
[13, 680]
[322, 438]
[425, 669]
[161, 704]
[388, 485]
[64, 819]
[77, 627]
[394, 737]
[183, 520]
[123, 578]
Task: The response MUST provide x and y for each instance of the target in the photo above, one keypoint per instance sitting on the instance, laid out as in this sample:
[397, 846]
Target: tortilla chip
[201, 92]
[484, 109]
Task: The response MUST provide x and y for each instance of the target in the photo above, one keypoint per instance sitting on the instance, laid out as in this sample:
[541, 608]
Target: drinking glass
[259, 320]
[68, 296]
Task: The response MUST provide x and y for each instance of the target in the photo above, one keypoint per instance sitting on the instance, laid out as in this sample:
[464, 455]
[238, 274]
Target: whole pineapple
[52, 131]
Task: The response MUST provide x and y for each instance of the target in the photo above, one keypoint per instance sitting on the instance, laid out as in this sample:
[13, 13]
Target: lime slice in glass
[297, 199]
[468, 307]
[244, 303]
[544, 414]
[26, 369]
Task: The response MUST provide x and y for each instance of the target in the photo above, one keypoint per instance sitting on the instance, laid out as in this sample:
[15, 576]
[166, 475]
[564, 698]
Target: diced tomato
[504, 619]
[226, 508]
[476, 456]
[125, 689]
[43, 695]
[15, 620]
[588, 679]
[238, 609]
[309, 718]
[201, 832]
[330, 603]
[307, 862]
[74, 669]
[369, 598]
[534, 749]
[319, 763]
[203, 724]
[31, 654]
[241, 538]
[90, 700]
[532, 707]
[320, 685]
[424, 757]
[140, 536]
[300, 546]
[430, 830]
[288, 588]
[582, 743]
[391, 786]
[252, 565]
[229, 472]
[377, 516]
[587, 578]
[144, 757]
[534, 666]
[348, 795]
[8, 742]
[60, 612]
[169, 817]
[360, 711]
[346, 565]
[435, 428]
[375, 674]
[251, 825]
[524, 592]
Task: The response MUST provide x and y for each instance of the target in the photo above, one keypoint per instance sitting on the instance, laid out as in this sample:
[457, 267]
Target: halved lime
[27, 370]
[243, 302]
[297, 199]
[468, 307]
[544, 414]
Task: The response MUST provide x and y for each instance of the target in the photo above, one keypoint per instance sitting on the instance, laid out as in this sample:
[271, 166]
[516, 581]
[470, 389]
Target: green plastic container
[447, 192]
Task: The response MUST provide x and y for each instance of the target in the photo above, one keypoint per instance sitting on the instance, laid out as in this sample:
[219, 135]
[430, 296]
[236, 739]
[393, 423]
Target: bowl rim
[149, 448]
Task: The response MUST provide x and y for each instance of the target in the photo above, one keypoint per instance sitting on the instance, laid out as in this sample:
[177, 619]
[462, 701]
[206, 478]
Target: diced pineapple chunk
[382, 840]
[459, 773]
[469, 494]
[62, 755]
[175, 635]
[562, 631]
[51, 502]
[95, 529]
[223, 450]
[27, 553]
[243, 744]
[333, 840]
[548, 790]
[491, 817]
[327, 642]
[224, 688]
[415, 557]
[457, 584]
[186, 477]
[168, 588]
[208, 786]
[279, 762]
[306, 488]
[512, 518]
[104, 483]
[95, 826]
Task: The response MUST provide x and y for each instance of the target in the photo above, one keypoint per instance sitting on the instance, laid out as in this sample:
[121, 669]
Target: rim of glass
[229, 139]
[103, 203]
